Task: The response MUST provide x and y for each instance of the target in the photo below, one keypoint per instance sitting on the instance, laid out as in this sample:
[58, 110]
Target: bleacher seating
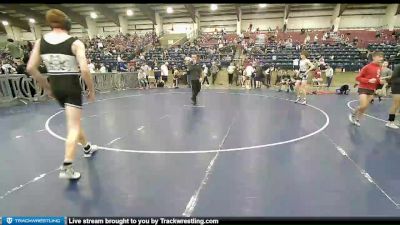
[345, 56]
[389, 50]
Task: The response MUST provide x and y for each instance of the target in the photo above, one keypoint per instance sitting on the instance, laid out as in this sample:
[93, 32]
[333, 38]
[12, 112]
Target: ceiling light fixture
[170, 10]
[214, 7]
[129, 12]
[93, 15]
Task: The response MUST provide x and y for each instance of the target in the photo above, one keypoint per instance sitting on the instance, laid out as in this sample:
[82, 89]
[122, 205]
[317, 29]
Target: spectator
[329, 75]
[249, 73]
[231, 70]
[378, 34]
[143, 81]
[355, 40]
[100, 45]
[176, 75]
[268, 74]
[316, 38]
[325, 36]
[317, 77]
[206, 75]
[146, 70]
[108, 68]
[91, 67]
[157, 73]
[102, 68]
[122, 67]
[386, 74]
[250, 29]
[214, 71]
[8, 68]
[236, 75]
[321, 63]
[259, 79]
[307, 39]
[296, 64]
[164, 72]
[21, 66]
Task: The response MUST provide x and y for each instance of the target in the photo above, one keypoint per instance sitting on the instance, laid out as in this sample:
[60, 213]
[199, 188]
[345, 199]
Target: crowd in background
[129, 52]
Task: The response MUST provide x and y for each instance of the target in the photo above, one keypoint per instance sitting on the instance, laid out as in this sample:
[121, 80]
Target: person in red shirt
[317, 77]
[369, 79]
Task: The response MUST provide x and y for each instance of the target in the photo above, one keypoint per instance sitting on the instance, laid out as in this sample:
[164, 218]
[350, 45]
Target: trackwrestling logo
[33, 220]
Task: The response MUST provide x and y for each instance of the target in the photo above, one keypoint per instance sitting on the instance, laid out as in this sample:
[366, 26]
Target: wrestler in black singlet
[63, 71]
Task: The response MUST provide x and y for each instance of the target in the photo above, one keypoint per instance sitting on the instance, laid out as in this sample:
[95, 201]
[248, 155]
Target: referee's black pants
[196, 87]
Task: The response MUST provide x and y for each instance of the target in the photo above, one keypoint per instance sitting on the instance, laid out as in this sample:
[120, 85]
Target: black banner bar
[220, 220]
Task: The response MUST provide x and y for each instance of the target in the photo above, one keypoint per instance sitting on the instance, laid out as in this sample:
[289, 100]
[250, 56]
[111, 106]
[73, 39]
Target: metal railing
[20, 87]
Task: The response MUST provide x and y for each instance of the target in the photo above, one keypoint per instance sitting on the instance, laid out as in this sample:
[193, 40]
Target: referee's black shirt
[195, 70]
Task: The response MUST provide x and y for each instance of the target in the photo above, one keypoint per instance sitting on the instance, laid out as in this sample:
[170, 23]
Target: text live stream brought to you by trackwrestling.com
[7, 220]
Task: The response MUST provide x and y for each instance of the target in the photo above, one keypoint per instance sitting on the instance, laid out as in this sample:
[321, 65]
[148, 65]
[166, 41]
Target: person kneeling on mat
[195, 70]
[343, 90]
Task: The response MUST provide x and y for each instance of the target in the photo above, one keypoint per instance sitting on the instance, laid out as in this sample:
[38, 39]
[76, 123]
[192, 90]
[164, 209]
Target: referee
[194, 72]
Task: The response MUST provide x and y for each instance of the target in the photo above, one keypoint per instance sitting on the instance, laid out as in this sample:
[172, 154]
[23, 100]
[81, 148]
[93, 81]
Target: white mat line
[116, 139]
[361, 170]
[373, 117]
[194, 199]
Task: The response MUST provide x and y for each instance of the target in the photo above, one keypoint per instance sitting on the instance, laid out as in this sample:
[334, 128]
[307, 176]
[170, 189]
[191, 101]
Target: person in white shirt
[329, 75]
[324, 37]
[103, 69]
[231, 70]
[164, 72]
[316, 38]
[142, 78]
[205, 75]
[7, 68]
[91, 67]
[307, 39]
[295, 64]
[302, 76]
[146, 69]
[249, 73]
[187, 59]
